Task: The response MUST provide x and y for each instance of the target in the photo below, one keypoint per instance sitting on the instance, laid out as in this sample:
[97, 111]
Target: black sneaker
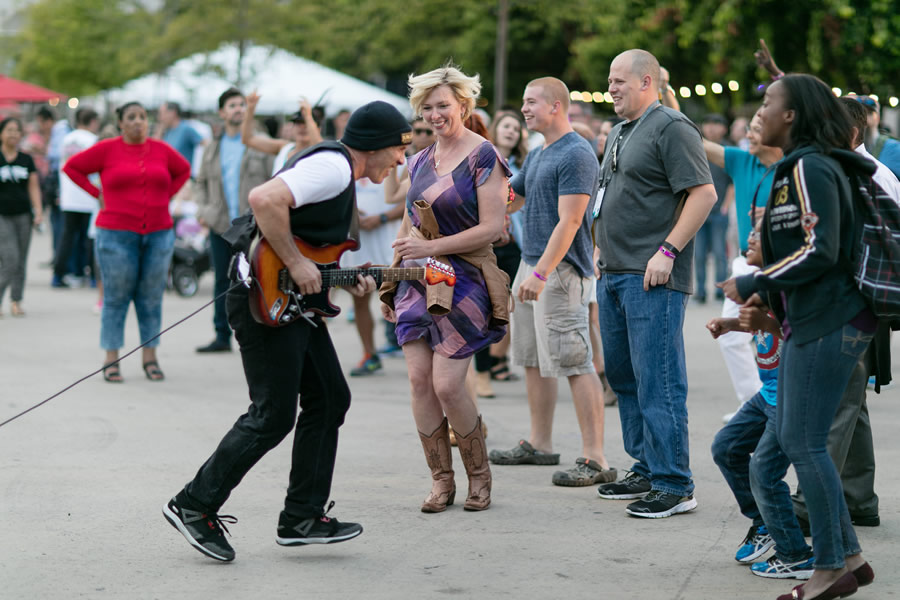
[633, 486]
[203, 531]
[315, 530]
[658, 505]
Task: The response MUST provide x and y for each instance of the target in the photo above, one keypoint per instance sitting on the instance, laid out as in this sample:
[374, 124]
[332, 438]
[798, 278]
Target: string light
[598, 97]
[893, 101]
[717, 88]
[836, 91]
[700, 89]
[73, 103]
[734, 85]
[684, 91]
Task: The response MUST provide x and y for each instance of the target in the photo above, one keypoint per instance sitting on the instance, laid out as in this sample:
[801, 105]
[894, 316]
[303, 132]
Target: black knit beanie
[376, 125]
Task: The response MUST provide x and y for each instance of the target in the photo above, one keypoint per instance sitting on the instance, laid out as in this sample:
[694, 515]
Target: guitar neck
[348, 277]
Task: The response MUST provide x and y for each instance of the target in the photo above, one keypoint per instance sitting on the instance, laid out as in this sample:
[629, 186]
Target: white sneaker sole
[307, 541]
[636, 496]
[803, 574]
[750, 558]
[683, 507]
[177, 524]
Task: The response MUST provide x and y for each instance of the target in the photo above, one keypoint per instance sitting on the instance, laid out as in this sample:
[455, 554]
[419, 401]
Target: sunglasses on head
[419, 131]
[866, 101]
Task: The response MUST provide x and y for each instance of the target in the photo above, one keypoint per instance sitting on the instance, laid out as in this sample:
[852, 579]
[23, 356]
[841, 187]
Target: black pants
[220, 253]
[280, 363]
[75, 241]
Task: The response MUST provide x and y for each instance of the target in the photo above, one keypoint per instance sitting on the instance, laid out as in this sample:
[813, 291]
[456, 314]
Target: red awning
[13, 90]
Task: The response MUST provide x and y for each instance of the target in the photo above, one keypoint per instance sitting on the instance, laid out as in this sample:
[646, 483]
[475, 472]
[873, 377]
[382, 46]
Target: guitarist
[313, 199]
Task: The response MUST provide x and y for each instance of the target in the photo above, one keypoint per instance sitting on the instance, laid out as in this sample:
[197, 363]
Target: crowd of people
[576, 243]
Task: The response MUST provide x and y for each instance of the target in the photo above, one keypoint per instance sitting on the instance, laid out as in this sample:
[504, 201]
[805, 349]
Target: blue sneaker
[757, 543]
[368, 366]
[775, 568]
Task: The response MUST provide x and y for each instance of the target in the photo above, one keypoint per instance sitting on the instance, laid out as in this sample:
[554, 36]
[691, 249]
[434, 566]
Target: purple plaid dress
[466, 328]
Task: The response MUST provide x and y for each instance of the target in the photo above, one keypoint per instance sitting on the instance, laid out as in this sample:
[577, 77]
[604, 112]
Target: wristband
[539, 276]
[777, 76]
[383, 218]
[666, 252]
[675, 251]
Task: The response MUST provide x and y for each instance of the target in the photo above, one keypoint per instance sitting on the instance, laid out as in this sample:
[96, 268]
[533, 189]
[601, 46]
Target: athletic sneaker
[367, 366]
[755, 544]
[315, 530]
[659, 505]
[633, 486]
[775, 568]
[203, 531]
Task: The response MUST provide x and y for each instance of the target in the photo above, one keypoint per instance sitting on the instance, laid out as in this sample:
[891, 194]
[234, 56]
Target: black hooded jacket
[808, 233]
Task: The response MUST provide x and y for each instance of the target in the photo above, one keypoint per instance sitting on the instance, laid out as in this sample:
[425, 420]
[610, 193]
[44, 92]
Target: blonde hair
[465, 88]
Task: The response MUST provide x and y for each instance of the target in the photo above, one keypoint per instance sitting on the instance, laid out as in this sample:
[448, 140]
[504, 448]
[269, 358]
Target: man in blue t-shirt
[749, 171]
[757, 481]
[178, 134]
[553, 287]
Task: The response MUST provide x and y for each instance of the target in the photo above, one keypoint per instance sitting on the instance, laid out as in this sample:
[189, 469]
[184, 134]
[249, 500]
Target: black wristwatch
[383, 217]
[671, 248]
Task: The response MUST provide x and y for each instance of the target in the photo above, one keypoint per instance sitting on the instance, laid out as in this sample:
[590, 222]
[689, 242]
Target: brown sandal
[152, 371]
[112, 374]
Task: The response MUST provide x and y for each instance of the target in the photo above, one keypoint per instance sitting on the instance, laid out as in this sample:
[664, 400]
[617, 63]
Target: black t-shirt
[14, 184]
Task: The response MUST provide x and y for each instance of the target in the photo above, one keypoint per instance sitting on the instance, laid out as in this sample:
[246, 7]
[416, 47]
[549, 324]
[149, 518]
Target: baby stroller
[191, 257]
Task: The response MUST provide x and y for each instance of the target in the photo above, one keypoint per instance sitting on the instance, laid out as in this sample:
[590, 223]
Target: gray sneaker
[585, 472]
[523, 454]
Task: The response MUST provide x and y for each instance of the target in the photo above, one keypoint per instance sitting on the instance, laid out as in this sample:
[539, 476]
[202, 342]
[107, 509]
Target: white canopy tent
[280, 78]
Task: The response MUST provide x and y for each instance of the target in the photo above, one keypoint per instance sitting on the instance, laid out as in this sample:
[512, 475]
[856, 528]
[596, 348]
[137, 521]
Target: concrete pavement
[83, 479]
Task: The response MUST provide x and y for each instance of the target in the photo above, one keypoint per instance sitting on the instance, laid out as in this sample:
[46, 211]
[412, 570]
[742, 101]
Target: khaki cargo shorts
[553, 333]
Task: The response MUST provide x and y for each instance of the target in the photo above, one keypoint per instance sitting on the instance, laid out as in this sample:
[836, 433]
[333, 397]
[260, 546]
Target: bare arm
[271, 202]
[571, 213]
[396, 187]
[250, 138]
[516, 205]
[34, 194]
[700, 200]
[715, 153]
[729, 199]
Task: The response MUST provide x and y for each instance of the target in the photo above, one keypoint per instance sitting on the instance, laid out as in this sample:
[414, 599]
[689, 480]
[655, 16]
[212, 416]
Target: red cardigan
[138, 181]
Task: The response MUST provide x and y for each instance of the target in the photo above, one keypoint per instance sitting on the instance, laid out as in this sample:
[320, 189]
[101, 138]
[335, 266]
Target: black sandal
[112, 374]
[152, 371]
[500, 370]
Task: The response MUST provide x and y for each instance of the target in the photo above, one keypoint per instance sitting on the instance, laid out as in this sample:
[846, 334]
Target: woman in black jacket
[807, 235]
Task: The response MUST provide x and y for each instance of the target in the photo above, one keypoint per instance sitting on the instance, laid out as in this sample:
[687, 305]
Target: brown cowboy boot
[474, 457]
[440, 461]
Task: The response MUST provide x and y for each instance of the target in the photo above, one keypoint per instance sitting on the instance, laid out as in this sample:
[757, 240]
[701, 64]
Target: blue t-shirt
[184, 139]
[567, 166]
[768, 355]
[746, 172]
[890, 156]
[231, 151]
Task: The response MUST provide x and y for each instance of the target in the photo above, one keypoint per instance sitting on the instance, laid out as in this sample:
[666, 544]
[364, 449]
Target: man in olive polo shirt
[655, 193]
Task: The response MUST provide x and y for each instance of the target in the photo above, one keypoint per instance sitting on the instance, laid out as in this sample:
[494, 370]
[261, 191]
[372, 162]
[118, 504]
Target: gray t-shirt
[567, 166]
[643, 198]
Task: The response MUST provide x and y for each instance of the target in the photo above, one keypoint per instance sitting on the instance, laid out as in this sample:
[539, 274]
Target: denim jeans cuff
[794, 557]
[673, 490]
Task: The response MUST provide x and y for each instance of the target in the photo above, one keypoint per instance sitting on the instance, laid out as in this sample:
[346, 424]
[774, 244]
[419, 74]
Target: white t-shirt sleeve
[317, 178]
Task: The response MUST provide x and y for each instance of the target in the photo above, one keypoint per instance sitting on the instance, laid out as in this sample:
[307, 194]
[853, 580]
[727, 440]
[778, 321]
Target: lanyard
[617, 148]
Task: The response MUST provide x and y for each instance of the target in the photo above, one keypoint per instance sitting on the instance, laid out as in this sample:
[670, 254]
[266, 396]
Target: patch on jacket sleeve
[809, 220]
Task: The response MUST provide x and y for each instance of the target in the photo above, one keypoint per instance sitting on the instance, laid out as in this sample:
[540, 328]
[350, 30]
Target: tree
[82, 46]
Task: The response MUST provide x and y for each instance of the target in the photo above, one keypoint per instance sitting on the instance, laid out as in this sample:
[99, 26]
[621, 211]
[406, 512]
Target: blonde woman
[463, 182]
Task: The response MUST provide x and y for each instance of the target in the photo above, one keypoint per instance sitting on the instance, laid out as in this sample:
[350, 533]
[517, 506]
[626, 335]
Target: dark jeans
[74, 245]
[280, 363]
[811, 381]
[220, 254]
[754, 467]
[710, 239]
[850, 447]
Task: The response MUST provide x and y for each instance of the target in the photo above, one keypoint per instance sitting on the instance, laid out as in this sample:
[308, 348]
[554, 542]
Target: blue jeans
[134, 268]
[711, 239]
[811, 381]
[758, 482]
[644, 352]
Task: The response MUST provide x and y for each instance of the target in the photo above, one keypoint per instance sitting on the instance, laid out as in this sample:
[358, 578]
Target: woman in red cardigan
[135, 238]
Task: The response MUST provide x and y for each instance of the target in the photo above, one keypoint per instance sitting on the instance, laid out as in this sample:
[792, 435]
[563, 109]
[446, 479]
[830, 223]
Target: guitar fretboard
[347, 277]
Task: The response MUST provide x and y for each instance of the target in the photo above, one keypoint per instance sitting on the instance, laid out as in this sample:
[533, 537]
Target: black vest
[327, 222]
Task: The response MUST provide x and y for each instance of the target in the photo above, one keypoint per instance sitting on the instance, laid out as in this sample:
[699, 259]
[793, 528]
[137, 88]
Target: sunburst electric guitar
[275, 299]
